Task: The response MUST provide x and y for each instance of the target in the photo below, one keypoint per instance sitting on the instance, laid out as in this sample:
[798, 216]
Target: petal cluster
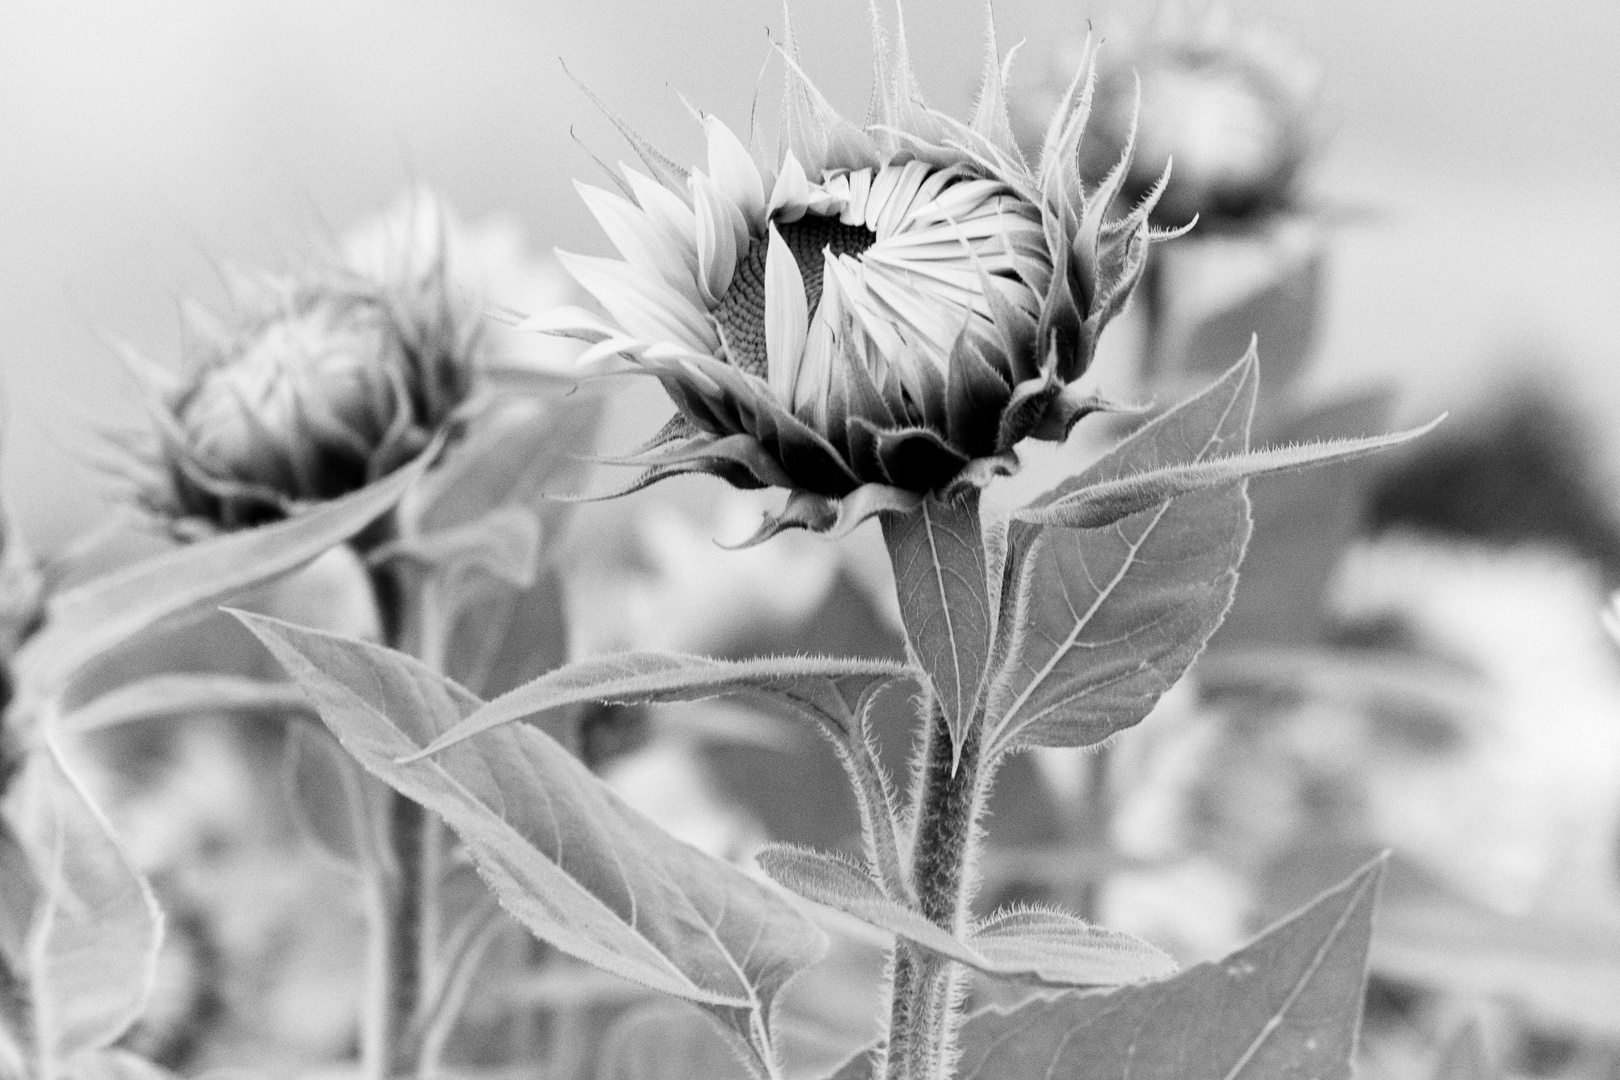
[318, 382]
[875, 312]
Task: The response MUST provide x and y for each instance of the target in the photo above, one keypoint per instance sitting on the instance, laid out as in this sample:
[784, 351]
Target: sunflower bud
[320, 382]
[871, 315]
[1233, 108]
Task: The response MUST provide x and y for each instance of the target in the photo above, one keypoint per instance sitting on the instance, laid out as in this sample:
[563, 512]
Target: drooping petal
[787, 318]
[722, 237]
[642, 303]
[632, 231]
[734, 172]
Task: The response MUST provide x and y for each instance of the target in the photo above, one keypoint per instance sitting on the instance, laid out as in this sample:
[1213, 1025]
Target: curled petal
[641, 303]
[642, 244]
[722, 237]
[790, 197]
[733, 171]
[786, 318]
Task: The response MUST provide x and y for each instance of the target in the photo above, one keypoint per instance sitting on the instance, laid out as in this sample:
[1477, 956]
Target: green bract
[876, 313]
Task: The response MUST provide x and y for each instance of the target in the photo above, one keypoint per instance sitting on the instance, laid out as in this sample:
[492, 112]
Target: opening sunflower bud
[321, 382]
[874, 314]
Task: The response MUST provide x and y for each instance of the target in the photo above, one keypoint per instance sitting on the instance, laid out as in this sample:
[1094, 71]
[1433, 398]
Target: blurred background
[142, 144]
[1415, 659]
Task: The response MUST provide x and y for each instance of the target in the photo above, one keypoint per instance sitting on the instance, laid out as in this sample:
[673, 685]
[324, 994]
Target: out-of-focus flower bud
[1232, 106]
[320, 382]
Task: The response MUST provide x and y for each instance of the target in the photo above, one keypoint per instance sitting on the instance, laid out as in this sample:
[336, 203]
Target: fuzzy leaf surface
[89, 621]
[562, 852]
[824, 687]
[1101, 622]
[1044, 947]
[1104, 503]
[91, 953]
[832, 693]
[938, 555]
[1285, 1007]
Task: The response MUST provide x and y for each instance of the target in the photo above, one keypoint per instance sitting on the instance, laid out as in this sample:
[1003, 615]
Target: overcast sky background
[138, 140]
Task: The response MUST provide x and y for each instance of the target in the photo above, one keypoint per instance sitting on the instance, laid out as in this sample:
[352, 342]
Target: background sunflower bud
[875, 313]
[1233, 107]
[320, 382]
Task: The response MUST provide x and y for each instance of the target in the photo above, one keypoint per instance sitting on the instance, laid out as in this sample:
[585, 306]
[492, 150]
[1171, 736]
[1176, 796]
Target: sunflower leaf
[85, 623]
[90, 958]
[1287, 1005]
[665, 1041]
[833, 694]
[1464, 1057]
[564, 855]
[1043, 947]
[1104, 503]
[939, 572]
[1103, 621]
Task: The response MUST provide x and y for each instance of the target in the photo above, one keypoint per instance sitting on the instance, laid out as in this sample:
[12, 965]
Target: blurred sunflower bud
[321, 381]
[875, 312]
[1233, 107]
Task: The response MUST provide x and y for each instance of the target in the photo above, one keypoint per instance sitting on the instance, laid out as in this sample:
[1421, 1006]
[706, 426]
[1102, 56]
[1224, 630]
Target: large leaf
[504, 637]
[832, 693]
[91, 954]
[565, 856]
[1040, 946]
[89, 621]
[938, 554]
[1286, 1007]
[1101, 622]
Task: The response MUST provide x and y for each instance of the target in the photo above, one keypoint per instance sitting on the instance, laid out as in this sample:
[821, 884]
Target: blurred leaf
[858, 1067]
[86, 622]
[1303, 524]
[1104, 503]
[341, 809]
[171, 696]
[504, 543]
[1282, 310]
[93, 941]
[115, 1065]
[1464, 1057]
[566, 857]
[939, 572]
[504, 637]
[1564, 967]
[1104, 621]
[1285, 1007]
[665, 1041]
[1047, 947]
[513, 457]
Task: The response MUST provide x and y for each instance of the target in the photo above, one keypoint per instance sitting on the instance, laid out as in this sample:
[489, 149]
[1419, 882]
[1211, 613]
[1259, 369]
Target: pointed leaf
[504, 543]
[93, 944]
[564, 855]
[171, 696]
[115, 1065]
[505, 637]
[1286, 1006]
[1103, 621]
[939, 574]
[1104, 503]
[1043, 947]
[832, 693]
[89, 621]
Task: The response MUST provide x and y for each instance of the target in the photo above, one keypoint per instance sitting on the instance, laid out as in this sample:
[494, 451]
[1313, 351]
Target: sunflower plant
[875, 319]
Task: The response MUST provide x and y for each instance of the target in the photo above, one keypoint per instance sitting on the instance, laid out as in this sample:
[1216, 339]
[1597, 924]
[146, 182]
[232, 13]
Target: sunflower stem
[405, 902]
[925, 1002]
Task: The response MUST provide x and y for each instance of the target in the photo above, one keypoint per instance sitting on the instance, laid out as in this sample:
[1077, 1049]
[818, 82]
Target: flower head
[874, 313]
[1232, 106]
[321, 381]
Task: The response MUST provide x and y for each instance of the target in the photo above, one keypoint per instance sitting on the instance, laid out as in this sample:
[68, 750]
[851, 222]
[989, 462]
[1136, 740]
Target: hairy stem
[924, 1005]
